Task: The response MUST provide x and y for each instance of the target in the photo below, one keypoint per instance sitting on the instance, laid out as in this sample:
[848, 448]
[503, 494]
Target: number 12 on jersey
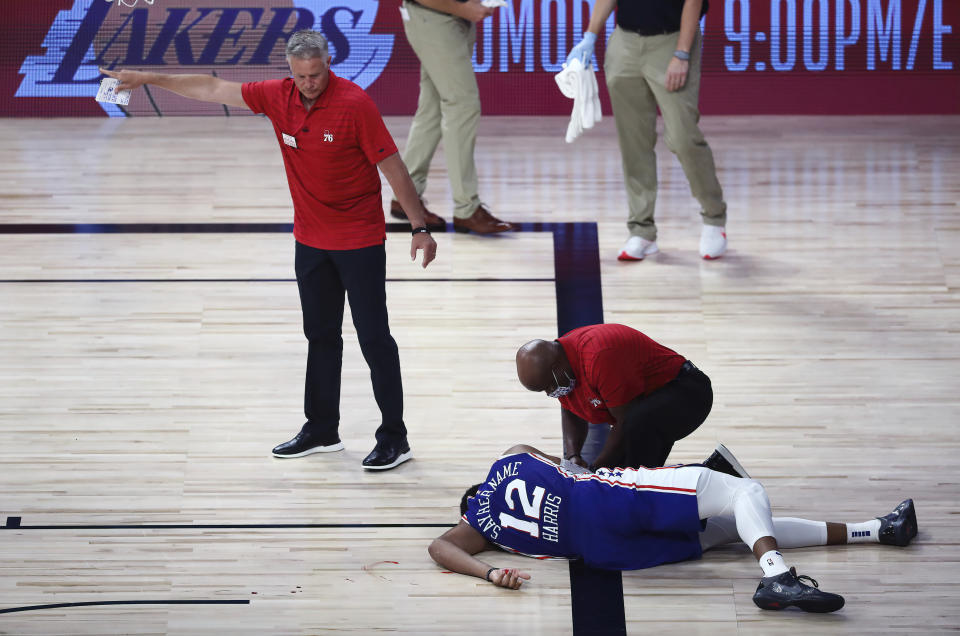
[530, 505]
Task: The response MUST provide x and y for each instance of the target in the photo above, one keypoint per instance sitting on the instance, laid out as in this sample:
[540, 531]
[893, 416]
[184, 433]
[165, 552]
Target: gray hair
[307, 44]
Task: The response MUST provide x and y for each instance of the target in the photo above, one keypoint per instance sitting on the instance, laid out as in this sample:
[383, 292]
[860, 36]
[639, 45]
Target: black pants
[322, 278]
[654, 422]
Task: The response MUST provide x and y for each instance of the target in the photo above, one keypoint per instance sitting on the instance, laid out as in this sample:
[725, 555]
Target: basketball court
[151, 355]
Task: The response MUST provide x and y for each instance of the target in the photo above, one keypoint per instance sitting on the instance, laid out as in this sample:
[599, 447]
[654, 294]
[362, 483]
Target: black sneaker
[306, 443]
[385, 456]
[723, 461]
[787, 589]
[900, 526]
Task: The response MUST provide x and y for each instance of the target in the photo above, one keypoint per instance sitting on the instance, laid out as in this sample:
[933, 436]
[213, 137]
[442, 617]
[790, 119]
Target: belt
[647, 32]
[687, 367]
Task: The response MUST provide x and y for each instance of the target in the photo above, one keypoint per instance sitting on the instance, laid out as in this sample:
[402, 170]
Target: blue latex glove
[584, 50]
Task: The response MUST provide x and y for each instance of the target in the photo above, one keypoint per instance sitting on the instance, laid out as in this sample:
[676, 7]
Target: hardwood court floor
[144, 377]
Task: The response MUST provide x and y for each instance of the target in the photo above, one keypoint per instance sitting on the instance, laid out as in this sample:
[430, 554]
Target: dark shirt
[652, 17]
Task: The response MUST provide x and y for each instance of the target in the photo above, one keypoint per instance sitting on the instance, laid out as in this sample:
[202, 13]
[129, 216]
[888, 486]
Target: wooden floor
[144, 377]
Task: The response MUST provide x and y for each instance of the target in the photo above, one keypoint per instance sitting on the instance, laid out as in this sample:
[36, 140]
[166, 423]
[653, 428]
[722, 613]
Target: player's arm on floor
[204, 88]
[454, 550]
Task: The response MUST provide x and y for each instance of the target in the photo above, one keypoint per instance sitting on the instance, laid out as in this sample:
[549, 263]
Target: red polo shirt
[613, 364]
[332, 171]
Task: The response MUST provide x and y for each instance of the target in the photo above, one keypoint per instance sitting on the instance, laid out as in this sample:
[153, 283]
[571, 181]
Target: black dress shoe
[305, 443]
[723, 461]
[900, 526]
[387, 456]
[787, 590]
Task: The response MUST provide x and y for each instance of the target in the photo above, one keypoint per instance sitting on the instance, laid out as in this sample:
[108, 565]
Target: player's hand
[474, 11]
[579, 461]
[584, 50]
[425, 242]
[509, 577]
[128, 79]
[677, 74]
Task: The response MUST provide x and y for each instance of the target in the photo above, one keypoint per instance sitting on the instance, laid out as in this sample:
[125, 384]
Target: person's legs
[321, 300]
[720, 495]
[444, 45]
[654, 422]
[363, 272]
[681, 115]
[896, 528]
[635, 115]
[424, 135]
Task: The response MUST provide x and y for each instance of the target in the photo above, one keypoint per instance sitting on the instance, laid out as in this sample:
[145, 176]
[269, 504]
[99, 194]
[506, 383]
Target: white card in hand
[108, 92]
[493, 4]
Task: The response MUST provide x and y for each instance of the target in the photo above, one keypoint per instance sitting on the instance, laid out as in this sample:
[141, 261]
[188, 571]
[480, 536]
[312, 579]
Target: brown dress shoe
[433, 221]
[481, 222]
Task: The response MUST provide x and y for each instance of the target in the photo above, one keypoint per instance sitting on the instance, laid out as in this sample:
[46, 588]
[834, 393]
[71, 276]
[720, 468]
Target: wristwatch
[682, 55]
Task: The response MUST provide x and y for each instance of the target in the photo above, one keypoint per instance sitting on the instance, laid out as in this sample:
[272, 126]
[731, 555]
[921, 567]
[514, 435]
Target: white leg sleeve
[719, 531]
[790, 532]
[745, 499]
[799, 533]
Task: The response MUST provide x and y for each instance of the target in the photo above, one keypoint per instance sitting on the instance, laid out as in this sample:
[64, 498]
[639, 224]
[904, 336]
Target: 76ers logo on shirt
[327, 136]
[596, 402]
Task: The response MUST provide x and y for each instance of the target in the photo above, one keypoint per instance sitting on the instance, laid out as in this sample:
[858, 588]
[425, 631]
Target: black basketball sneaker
[900, 526]
[788, 590]
[723, 461]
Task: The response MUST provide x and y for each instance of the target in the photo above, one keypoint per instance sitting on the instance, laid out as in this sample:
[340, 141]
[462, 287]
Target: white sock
[773, 564]
[866, 532]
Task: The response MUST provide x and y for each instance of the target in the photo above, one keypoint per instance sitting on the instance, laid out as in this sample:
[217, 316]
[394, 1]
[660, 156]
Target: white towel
[580, 85]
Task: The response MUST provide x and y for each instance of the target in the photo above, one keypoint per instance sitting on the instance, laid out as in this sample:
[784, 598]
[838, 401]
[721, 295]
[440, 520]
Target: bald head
[536, 361]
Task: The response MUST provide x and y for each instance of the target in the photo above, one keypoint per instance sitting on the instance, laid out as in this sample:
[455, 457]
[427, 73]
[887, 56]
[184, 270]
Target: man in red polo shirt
[332, 140]
[612, 374]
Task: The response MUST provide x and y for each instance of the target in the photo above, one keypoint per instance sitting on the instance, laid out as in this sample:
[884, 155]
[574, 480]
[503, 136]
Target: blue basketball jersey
[613, 519]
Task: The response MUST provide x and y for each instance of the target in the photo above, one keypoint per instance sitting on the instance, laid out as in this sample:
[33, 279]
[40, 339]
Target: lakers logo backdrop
[760, 56]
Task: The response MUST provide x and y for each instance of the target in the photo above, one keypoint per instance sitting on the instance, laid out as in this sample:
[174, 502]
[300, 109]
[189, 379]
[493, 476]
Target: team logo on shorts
[226, 38]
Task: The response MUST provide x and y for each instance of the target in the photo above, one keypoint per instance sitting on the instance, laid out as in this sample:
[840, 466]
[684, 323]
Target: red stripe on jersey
[612, 482]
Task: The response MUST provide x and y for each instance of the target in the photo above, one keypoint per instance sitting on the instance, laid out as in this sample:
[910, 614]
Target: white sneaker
[713, 242]
[636, 248]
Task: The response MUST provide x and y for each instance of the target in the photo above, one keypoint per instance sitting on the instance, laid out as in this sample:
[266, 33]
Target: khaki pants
[449, 104]
[635, 68]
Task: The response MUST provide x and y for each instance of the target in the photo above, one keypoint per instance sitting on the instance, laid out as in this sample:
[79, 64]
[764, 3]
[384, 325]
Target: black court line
[170, 228]
[221, 526]
[596, 595]
[30, 608]
[18, 281]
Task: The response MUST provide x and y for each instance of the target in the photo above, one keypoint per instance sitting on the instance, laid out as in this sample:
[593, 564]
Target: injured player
[626, 519]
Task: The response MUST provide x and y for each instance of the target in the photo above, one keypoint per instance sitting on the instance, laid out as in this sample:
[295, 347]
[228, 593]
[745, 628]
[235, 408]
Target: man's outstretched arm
[204, 88]
[455, 548]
